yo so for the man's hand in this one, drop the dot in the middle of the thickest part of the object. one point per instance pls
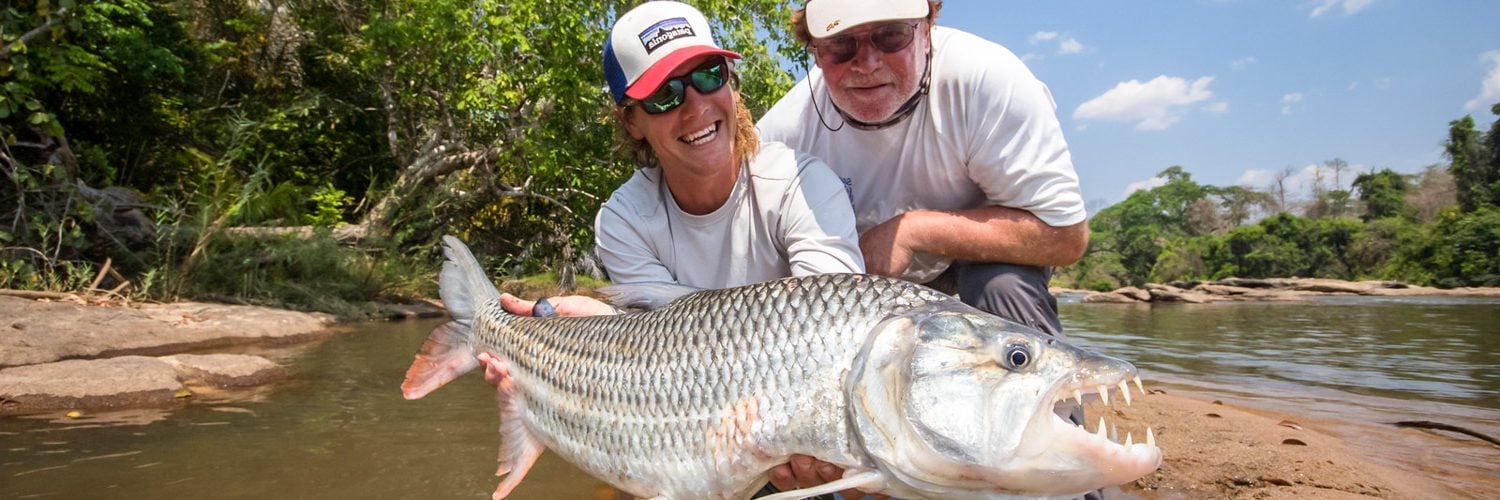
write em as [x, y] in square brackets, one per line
[494, 372]
[885, 252]
[803, 471]
[567, 305]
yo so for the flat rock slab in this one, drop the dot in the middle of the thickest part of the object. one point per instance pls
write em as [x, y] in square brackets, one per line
[34, 332]
[125, 381]
[225, 370]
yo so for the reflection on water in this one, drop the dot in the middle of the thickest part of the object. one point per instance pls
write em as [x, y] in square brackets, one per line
[339, 428]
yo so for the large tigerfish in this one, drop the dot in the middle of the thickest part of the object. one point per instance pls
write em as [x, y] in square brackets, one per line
[915, 393]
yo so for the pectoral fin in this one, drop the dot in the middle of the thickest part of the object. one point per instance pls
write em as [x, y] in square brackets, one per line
[519, 447]
[869, 480]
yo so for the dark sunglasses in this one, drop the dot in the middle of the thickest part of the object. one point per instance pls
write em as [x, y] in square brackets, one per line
[707, 78]
[889, 38]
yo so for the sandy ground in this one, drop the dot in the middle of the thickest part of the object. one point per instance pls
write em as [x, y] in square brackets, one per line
[1217, 450]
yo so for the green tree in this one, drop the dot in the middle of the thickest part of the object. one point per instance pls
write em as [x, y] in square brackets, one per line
[1383, 194]
[1470, 164]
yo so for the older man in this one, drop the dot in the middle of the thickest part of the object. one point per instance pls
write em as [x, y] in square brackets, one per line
[950, 149]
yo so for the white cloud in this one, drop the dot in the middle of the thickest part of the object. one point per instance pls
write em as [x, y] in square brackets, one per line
[1042, 36]
[1065, 45]
[1489, 89]
[1290, 100]
[1148, 184]
[1154, 105]
[1070, 46]
[1350, 7]
[1299, 185]
[1217, 107]
[1242, 63]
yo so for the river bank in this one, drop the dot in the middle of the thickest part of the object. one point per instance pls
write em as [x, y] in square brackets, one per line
[1266, 289]
[1228, 449]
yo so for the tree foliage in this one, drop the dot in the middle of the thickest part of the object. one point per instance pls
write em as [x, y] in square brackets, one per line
[411, 118]
[1407, 228]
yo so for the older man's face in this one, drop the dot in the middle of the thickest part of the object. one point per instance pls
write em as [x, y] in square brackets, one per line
[873, 84]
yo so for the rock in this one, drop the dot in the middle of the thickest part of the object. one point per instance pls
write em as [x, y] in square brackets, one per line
[1165, 293]
[225, 370]
[1135, 293]
[121, 382]
[1245, 283]
[1110, 298]
[416, 309]
[53, 331]
[1329, 286]
[126, 381]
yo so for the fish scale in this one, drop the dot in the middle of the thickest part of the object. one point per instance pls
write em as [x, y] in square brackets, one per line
[917, 394]
[673, 373]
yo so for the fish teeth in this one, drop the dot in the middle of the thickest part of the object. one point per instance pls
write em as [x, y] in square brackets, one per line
[1100, 430]
[1150, 439]
[1139, 386]
[1078, 396]
[1128, 440]
[1125, 391]
[1104, 394]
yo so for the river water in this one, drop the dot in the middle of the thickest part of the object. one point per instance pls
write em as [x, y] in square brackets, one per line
[338, 428]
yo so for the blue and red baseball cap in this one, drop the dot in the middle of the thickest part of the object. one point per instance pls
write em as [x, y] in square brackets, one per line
[650, 41]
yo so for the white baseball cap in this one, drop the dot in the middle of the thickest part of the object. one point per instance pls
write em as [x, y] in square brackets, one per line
[650, 41]
[827, 18]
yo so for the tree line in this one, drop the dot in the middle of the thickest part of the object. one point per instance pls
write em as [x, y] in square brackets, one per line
[152, 133]
[309, 154]
[1438, 227]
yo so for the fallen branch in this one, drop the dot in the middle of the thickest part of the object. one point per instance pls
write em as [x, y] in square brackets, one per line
[1427, 424]
[34, 294]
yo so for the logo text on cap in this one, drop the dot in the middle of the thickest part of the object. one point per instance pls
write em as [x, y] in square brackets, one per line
[665, 31]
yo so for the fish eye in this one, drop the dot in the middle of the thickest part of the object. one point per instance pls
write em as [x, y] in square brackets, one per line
[1017, 356]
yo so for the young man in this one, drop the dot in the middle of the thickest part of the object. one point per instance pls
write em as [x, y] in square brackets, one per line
[952, 152]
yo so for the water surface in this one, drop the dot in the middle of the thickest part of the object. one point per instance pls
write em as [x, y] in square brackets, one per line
[340, 429]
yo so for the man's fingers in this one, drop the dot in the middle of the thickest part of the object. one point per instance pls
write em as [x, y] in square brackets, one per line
[802, 468]
[781, 478]
[514, 305]
[828, 472]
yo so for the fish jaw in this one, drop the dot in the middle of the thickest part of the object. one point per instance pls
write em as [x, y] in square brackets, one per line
[1059, 457]
[941, 414]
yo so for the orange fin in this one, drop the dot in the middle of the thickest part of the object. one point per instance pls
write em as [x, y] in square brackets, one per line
[447, 353]
[519, 447]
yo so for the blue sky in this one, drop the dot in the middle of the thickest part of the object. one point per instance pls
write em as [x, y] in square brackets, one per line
[1236, 90]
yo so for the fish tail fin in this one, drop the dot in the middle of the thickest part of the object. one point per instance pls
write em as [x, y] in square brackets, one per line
[449, 351]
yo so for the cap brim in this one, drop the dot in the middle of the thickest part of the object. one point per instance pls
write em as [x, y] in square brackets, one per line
[826, 19]
[658, 73]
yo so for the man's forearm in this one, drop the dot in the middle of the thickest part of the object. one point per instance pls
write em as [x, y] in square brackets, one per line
[993, 234]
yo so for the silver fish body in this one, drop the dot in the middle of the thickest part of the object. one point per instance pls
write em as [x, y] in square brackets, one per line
[914, 392]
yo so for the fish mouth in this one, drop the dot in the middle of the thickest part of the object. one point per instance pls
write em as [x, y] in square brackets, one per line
[1102, 455]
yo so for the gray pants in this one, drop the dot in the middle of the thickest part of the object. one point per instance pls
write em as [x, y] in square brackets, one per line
[1011, 291]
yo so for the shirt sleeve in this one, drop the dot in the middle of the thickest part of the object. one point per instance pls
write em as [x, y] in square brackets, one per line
[818, 227]
[1017, 153]
[624, 251]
